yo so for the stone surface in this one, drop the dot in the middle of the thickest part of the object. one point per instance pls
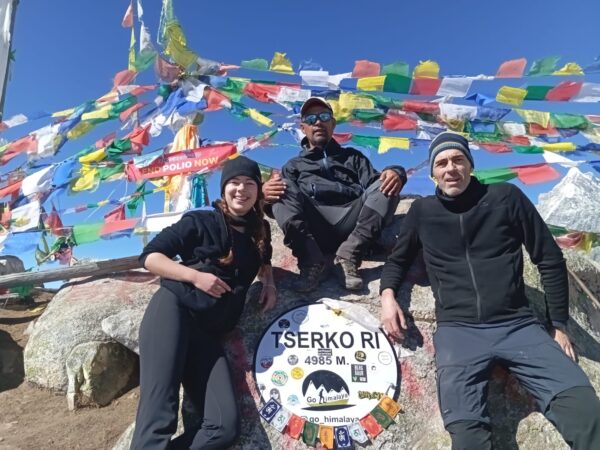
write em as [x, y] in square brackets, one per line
[10, 264]
[74, 317]
[124, 327]
[97, 372]
[515, 422]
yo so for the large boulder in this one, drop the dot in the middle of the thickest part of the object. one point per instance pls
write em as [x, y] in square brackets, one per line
[515, 421]
[11, 264]
[68, 338]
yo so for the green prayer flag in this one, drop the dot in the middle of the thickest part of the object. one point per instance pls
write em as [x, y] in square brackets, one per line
[310, 433]
[529, 149]
[256, 64]
[107, 172]
[164, 90]
[382, 417]
[537, 92]
[368, 115]
[144, 59]
[397, 83]
[120, 106]
[118, 147]
[137, 198]
[366, 141]
[381, 100]
[86, 232]
[396, 68]
[556, 230]
[568, 120]
[234, 89]
[544, 66]
[491, 176]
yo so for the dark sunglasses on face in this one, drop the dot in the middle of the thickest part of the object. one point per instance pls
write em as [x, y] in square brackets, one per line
[311, 119]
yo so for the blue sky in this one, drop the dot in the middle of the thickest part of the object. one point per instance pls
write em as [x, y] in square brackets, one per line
[67, 52]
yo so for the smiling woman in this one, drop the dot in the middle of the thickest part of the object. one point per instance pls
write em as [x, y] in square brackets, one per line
[200, 299]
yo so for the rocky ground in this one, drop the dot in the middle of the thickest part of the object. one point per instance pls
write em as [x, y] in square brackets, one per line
[33, 418]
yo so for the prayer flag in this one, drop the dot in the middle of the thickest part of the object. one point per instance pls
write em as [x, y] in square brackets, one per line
[386, 143]
[357, 433]
[310, 433]
[295, 426]
[425, 86]
[342, 438]
[371, 426]
[511, 95]
[280, 63]
[544, 66]
[255, 64]
[326, 436]
[371, 83]
[382, 417]
[391, 407]
[397, 83]
[455, 86]
[564, 91]
[84, 233]
[364, 68]
[538, 173]
[127, 21]
[512, 69]
[571, 68]
[427, 69]
[396, 68]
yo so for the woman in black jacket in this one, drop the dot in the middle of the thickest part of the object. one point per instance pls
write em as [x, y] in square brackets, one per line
[200, 299]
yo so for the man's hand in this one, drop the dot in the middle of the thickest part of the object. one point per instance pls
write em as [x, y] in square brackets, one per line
[273, 188]
[392, 316]
[565, 343]
[391, 183]
[211, 284]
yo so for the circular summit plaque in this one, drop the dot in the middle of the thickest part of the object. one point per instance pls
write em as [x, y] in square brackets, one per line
[324, 367]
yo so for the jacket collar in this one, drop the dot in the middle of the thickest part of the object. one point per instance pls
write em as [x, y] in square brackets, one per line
[465, 201]
[331, 148]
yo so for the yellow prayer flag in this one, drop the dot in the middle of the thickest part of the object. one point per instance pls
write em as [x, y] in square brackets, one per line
[87, 181]
[95, 156]
[131, 60]
[511, 95]
[427, 69]
[385, 143]
[259, 118]
[571, 68]
[586, 243]
[100, 113]
[349, 102]
[371, 83]
[326, 436]
[560, 147]
[176, 46]
[79, 130]
[63, 113]
[391, 407]
[280, 63]
[532, 116]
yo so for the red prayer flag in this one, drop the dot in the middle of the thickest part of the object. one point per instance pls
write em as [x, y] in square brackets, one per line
[295, 426]
[215, 99]
[519, 140]
[512, 69]
[261, 92]
[398, 122]
[421, 107]
[570, 240]
[115, 215]
[129, 111]
[10, 189]
[166, 71]
[106, 140]
[118, 225]
[536, 130]
[564, 91]
[342, 138]
[124, 77]
[25, 144]
[536, 173]
[365, 68]
[496, 148]
[128, 17]
[371, 426]
[425, 86]
[138, 90]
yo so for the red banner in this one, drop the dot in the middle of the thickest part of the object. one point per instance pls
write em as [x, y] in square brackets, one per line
[201, 159]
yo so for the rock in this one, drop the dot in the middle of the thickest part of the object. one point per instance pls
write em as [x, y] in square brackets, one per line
[98, 372]
[10, 264]
[74, 317]
[124, 327]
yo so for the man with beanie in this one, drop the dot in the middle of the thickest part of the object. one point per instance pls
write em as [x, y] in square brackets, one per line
[471, 236]
[331, 200]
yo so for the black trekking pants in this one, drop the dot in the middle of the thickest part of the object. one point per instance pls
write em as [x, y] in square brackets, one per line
[175, 351]
[312, 230]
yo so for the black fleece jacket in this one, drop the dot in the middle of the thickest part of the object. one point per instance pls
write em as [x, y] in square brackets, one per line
[472, 247]
[200, 238]
[334, 175]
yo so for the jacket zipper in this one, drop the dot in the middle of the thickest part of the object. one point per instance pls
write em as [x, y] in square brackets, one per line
[468, 256]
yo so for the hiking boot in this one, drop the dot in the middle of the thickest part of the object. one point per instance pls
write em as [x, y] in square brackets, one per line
[309, 277]
[349, 274]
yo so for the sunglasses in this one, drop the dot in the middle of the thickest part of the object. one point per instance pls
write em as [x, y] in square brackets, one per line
[311, 119]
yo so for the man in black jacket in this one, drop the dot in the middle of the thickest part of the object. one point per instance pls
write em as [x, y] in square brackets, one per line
[330, 199]
[471, 236]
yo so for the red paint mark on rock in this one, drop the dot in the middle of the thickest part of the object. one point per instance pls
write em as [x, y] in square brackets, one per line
[409, 383]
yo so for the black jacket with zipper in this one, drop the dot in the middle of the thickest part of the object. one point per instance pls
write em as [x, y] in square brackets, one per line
[333, 176]
[472, 247]
[200, 238]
